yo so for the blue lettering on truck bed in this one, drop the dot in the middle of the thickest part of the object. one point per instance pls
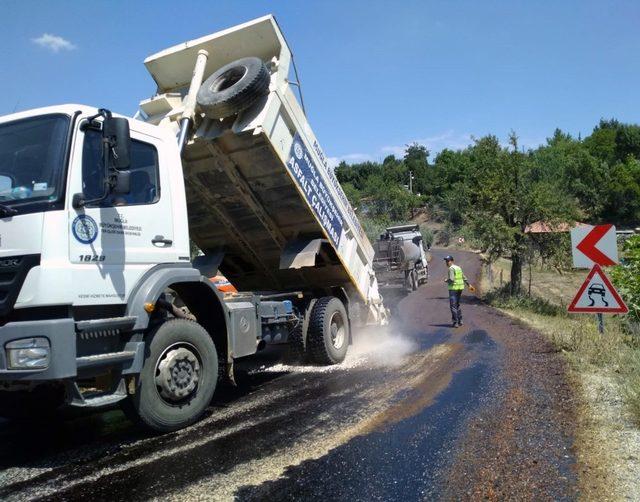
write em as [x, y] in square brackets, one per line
[308, 178]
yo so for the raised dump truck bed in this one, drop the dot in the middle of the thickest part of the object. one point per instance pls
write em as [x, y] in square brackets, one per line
[260, 192]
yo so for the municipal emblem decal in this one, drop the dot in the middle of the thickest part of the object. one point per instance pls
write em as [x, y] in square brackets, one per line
[297, 148]
[84, 229]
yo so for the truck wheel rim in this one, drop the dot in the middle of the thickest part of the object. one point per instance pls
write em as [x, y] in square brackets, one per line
[178, 372]
[338, 330]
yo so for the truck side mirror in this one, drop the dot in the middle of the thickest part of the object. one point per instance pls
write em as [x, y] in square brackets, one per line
[123, 183]
[116, 131]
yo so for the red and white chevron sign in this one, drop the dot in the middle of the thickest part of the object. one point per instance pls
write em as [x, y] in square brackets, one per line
[594, 245]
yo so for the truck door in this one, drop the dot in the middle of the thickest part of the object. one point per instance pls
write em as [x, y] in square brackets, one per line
[113, 242]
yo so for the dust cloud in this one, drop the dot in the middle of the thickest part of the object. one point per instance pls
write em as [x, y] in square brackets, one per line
[372, 347]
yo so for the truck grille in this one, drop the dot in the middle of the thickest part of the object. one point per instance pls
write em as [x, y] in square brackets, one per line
[13, 271]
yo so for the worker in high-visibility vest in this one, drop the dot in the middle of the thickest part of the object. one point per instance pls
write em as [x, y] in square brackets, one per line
[456, 282]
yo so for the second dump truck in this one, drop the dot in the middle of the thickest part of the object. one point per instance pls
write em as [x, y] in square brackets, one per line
[100, 300]
[400, 258]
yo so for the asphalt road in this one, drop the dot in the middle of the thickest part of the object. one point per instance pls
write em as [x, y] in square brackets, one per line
[417, 411]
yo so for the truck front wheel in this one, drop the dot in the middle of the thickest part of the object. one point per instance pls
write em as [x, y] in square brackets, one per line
[328, 335]
[178, 378]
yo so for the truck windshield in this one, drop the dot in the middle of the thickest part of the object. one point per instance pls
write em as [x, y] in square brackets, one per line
[32, 156]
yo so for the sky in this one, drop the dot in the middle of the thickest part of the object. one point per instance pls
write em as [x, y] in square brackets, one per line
[376, 75]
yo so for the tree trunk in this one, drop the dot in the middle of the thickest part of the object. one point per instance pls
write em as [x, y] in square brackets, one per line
[516, 274]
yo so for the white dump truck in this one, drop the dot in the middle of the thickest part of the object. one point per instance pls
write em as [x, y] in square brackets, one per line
[100, 300]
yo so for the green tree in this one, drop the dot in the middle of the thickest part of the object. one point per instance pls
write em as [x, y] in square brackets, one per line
[383, 198]
[581, 174]
[353, 194]
[622, 193]
[507, 193]
[602, 141]
[627, 276]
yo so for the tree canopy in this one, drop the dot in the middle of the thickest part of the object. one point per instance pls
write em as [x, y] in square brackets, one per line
[493, 191]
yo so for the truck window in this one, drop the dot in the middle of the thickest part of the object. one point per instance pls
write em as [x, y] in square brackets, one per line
[32, 161]
[144, 177]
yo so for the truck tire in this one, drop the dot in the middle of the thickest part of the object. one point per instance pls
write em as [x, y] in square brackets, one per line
[234, 88]
[296, 345]
[425, 279]
[178, 377]
[328, 335]
[414, 280]
[408, 280]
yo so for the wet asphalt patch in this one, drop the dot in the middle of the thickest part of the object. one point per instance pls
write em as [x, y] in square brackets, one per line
[401, 462]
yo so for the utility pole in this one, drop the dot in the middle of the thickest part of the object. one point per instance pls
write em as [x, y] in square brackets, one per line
[411, 190]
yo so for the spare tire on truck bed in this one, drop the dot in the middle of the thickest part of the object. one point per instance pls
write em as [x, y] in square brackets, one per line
[234, 88]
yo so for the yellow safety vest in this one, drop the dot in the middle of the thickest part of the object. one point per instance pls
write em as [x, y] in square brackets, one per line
[458, 279]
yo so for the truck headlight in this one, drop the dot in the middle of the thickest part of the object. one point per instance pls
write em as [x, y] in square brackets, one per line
[28, 353]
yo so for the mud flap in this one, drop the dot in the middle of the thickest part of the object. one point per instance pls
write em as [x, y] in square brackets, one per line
[230, 372]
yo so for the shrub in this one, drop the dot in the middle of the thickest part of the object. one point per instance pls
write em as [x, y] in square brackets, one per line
[626, 277]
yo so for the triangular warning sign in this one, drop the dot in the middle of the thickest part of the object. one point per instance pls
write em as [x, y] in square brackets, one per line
[597, 295]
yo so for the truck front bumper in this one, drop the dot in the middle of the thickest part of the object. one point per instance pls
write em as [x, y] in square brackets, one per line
[61, 337]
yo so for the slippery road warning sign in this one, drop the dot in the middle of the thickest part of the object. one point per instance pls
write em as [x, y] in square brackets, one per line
[594, 246]
[598, 296]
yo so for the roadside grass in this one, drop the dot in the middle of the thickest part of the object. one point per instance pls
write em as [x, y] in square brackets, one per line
[557, 287]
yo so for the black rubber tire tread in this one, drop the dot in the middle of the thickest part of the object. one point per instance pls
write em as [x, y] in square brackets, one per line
[237, 97]
[414, 280]
[319, 347]
[152, 411]
[296, 344]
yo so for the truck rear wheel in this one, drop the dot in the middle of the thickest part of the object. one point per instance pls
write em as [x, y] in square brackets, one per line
[296, 345]
[234, 88]
[178, 378]
[328, 335]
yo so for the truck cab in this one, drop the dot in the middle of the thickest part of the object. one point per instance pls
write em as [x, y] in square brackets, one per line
[87, 269]
[94, 254]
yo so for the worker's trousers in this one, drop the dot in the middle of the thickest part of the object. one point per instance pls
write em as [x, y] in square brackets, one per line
[454, 305]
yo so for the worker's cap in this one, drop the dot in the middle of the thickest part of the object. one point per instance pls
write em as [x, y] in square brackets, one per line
[448, 258]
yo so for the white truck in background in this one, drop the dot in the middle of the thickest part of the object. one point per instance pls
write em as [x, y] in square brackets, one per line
[100, 302]
[400, 258]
